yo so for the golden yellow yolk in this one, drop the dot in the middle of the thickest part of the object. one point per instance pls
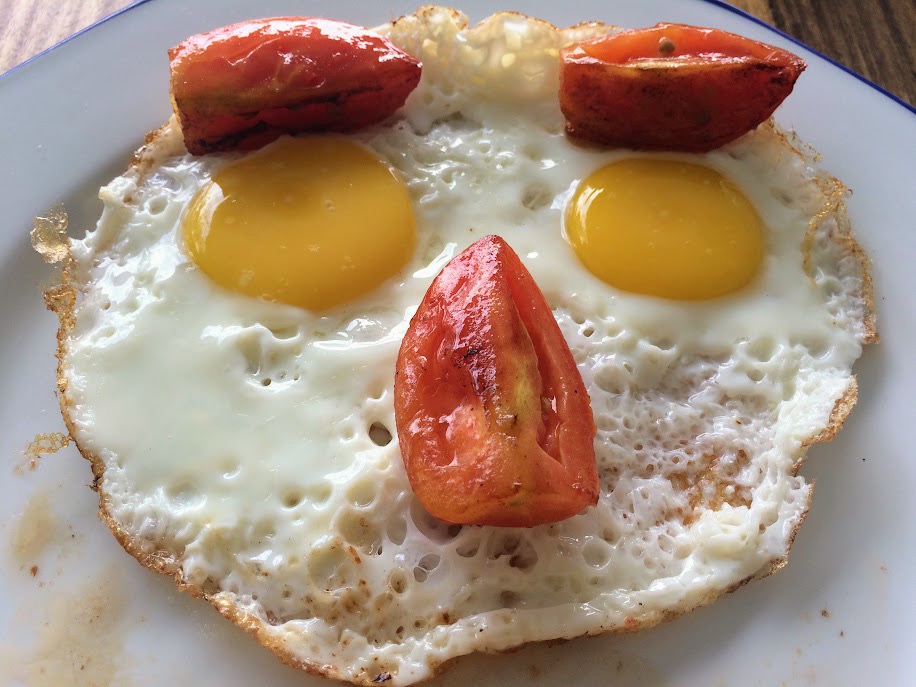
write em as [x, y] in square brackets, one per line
[665, 228]
[312, 222]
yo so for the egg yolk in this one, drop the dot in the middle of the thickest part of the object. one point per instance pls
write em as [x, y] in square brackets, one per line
[313, 222]
[665, 228]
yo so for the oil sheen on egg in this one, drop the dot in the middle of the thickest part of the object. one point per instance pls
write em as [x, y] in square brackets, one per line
[232, 372]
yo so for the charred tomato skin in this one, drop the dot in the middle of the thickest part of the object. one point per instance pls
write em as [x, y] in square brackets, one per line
[672, 87]
[493, 419]
[241, 86]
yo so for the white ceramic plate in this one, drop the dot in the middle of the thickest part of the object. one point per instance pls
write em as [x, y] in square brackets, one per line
[842, 612]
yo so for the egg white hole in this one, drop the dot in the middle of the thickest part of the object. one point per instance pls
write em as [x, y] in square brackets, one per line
[264, 532]
[359, 532]
[380, 434]
[318, 494]
[231, 468]
[509, 598]
[525, 556]
[292, 497]
[502, 544]
[156, 206]
[536, 197]
[785, 197]
[762, 349]
[362, 492]
[397, 581]
[469, 546]
[397, 530]
[430, 527]
[427, 564]
[325, 563]
[612, 379]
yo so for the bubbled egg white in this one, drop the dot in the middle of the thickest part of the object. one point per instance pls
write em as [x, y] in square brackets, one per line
[246, 445]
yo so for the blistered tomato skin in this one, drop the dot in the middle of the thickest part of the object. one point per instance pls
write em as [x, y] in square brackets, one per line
[672, 87]
[241, 86]
[494, 422]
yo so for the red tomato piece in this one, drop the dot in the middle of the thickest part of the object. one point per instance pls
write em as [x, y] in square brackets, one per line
[493, 419]
[241, 86]
[672, 87]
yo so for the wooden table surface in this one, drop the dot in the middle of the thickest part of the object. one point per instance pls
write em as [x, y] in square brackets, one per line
[875, 39]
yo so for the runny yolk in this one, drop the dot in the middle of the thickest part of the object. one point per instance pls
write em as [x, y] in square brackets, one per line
[665, 228]
[312, 222]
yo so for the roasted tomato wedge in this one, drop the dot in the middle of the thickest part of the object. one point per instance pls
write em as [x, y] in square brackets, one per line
[493, 418]
[241, 86]
[672, 87]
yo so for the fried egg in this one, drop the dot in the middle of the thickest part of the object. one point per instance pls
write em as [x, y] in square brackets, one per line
[230, 379]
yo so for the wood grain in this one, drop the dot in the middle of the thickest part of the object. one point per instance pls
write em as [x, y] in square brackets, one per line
[876, 39]
[29, 26]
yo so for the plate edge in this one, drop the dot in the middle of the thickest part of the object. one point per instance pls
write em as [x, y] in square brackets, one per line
[114, 14]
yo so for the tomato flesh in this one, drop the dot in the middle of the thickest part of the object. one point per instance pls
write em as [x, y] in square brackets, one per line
[241, 86]
[672, 87]
[494, 422]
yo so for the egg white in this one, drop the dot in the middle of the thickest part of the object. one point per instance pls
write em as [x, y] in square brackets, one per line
[235, 437]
